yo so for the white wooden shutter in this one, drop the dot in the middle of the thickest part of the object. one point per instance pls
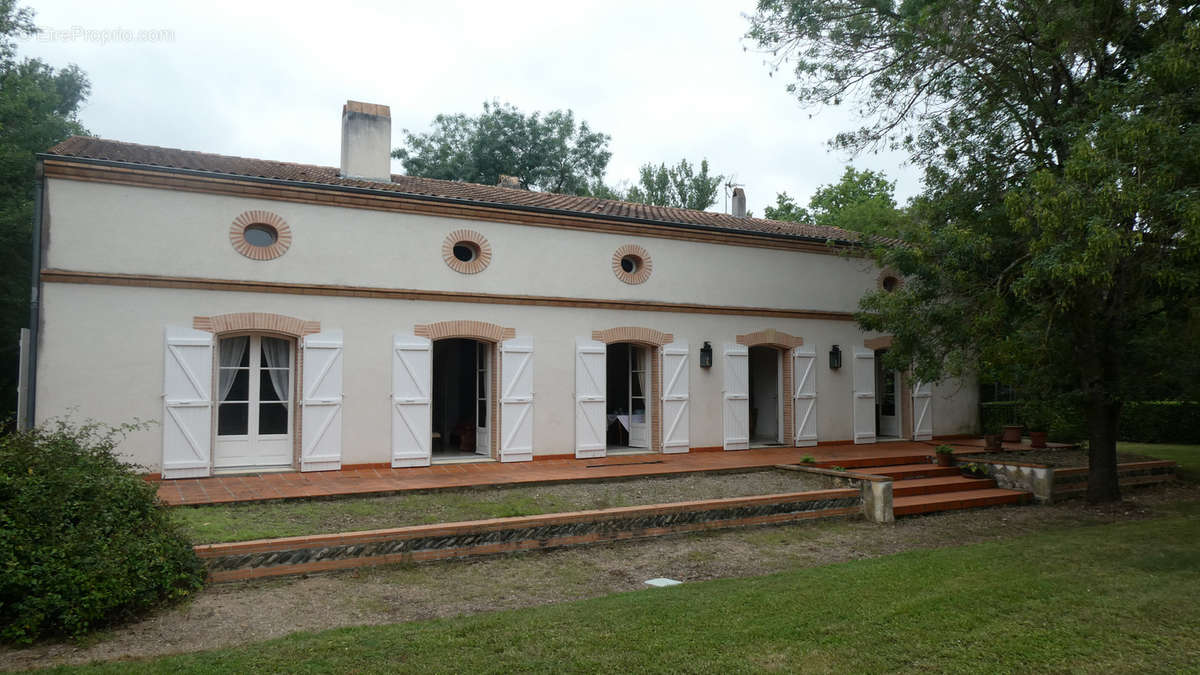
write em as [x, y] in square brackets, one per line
[864, 395]
[321, 424]
[187, 403]
[675, 407]
[516, 401]
[804, 396]
[412, 400]
[736, 396]
[922, 400]
[590, 417]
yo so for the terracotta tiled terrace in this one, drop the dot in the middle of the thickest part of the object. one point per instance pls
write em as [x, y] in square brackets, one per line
[903, 458]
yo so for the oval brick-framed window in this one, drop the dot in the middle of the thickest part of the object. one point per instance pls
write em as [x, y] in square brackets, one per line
[632, 264]
[260, 235]
[466, 251]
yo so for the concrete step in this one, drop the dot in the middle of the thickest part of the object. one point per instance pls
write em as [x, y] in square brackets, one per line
[925, 486]
[912, 471]
[953, 501]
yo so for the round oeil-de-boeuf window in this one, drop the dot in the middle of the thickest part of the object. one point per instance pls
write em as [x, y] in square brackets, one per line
[260, 235]
[631, 263]
[466, 251]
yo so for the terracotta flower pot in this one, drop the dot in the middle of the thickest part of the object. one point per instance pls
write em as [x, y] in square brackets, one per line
[1037, 439]
[991, 441]
[1012, 433]
[945, 459]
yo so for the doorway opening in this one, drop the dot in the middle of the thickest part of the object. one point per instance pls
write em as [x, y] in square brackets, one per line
[627, 398]
[887, 400]
[766, 397]
[462, 396]
[254, 403]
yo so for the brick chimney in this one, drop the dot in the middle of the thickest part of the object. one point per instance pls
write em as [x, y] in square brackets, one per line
[367, 141]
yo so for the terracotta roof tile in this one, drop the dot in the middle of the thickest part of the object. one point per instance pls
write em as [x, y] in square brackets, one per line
[148, 155]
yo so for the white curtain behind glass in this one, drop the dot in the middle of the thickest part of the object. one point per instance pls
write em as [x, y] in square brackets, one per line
[276, 352]
[232, 352]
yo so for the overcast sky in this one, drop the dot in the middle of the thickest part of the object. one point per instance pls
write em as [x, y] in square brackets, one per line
[267, 79]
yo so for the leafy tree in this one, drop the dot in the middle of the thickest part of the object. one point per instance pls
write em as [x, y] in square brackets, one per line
[1057, 239]
[862, 201]
[786, 208]
[549, 152]
[680, 186]
[38, 108]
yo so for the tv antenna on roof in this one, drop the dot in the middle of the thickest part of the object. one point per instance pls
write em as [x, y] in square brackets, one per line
[729, 185]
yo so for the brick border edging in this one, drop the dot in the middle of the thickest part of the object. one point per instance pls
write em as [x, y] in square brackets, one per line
[878, 504]
[1047, 483]
[296, 555]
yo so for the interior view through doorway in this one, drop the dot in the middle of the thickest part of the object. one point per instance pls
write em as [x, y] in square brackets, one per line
[254, 403]
[627, 398]
[461, 400]
[766, 399]
[887, 400]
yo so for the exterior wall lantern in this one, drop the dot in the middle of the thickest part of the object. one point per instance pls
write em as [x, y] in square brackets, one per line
[706, 356]
[835, 358]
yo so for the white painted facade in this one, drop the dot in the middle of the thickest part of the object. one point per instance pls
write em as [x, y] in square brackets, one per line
[101, 347]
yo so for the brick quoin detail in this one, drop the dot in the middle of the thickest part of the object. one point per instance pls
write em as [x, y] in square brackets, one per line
[256, 321]
[647, 336]
[644, 264]
[476, 330]
[237, 235]
[472, 238]
[783, 342]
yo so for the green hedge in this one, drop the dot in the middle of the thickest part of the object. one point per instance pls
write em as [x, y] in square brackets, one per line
[1141, 421]
[84, 541]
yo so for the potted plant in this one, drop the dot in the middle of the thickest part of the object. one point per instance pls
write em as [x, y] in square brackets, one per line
[991, 441]
[973, 470]
[1037, 417]
[1011, 433]
[945, 455]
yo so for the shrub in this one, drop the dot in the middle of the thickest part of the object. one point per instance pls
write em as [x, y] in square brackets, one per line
[808, 459]
[84, 541]
[1141, 421]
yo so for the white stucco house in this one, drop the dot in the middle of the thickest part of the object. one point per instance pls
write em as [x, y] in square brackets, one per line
[276, 316]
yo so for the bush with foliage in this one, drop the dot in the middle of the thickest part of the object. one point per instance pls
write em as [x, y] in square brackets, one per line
[84, 541]
[1140, 421]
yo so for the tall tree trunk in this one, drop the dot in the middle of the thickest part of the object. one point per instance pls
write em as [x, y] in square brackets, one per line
[1102, 417]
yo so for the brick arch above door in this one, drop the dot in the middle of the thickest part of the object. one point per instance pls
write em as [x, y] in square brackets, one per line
[633, 334]
[256, 321]
[770, 337]
[476, 330]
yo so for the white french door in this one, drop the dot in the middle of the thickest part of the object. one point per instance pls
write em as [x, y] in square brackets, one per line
[639, 410]
[483, 397]
[254, 409]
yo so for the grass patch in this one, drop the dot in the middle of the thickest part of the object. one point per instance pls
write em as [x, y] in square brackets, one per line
[241, 522]
[1105, 598]
[1187, 456]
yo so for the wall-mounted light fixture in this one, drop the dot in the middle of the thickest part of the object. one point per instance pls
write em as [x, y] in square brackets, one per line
[706, 356]
[835, 358]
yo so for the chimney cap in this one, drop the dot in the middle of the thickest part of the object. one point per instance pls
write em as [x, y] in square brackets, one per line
[367, 109]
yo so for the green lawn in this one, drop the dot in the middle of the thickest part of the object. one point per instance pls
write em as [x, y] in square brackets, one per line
[1104, 598]
[1187, 456]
